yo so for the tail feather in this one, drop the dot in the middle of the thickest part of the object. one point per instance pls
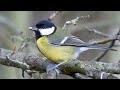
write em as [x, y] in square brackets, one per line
[100, 48]
[85, 48]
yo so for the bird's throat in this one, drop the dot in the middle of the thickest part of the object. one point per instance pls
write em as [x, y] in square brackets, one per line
[37, 35]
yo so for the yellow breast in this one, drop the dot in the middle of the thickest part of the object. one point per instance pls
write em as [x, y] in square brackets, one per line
[55, 53]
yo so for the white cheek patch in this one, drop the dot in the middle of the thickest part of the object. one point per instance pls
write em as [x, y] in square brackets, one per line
[47, 31]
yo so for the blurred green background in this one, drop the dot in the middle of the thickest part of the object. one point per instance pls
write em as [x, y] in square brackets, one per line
[14, 29]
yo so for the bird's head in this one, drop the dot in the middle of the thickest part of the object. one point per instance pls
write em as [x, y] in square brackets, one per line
[44, 28]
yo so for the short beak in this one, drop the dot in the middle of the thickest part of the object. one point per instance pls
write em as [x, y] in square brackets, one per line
[33, 29]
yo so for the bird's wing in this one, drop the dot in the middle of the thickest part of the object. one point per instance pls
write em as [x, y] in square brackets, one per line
[74, 41]
[71, 41]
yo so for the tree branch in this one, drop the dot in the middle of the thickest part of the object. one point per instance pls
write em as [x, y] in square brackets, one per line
[91, 68]
[32, 62]
[81, 76]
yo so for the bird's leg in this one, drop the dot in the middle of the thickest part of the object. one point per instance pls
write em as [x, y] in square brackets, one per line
[54, 67]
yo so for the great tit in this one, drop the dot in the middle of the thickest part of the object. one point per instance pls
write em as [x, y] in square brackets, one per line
[69, 48]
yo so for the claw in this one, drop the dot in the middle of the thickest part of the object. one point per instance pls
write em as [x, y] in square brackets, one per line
[50, 67]
[54, 67]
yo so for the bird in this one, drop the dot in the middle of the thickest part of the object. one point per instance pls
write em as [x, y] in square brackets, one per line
[67, 49]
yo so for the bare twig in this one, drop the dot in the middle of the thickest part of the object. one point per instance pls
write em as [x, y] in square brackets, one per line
[97, 32]
[105, 52]
[74, 21]
[106, 40]
[24, 43]
[54, 15]
[110, 46]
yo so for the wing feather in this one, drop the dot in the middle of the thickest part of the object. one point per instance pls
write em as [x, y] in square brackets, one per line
[72, 41]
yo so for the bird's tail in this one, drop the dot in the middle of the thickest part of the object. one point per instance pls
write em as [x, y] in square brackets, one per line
[100, 48]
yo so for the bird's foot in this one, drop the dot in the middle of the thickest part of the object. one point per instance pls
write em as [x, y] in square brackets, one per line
[54, 67]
